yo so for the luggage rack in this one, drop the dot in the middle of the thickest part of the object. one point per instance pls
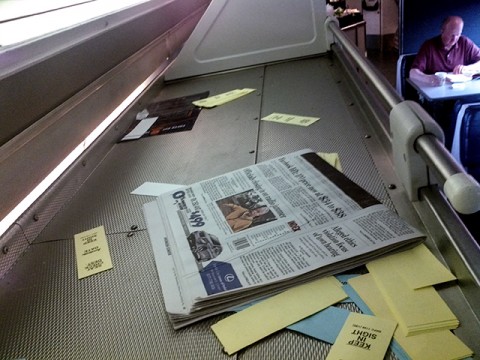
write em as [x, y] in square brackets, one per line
[49, 314]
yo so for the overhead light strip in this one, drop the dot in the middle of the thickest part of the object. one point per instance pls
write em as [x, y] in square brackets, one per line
[33, 196]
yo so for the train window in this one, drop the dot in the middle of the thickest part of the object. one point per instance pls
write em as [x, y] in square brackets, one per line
[37, 35]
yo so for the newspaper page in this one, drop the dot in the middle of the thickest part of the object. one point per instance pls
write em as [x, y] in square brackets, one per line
[263, 228]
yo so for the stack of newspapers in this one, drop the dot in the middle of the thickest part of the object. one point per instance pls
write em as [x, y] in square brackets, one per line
[256, 231]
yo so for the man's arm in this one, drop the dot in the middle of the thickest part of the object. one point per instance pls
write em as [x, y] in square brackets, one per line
[417, 75]
[472, 62]
[467, 69]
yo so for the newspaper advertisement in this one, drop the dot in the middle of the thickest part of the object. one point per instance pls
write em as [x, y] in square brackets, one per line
[261, 225]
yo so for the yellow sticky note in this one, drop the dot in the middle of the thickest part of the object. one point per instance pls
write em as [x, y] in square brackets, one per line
[415, 310]
[441, 344]
[332, 159]
[223, 98]
[92, 252]
[363, 337]
[277, 312]
[291, 119]
[418, 267]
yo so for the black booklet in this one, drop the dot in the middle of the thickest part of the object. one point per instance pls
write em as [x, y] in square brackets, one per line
[165, 117]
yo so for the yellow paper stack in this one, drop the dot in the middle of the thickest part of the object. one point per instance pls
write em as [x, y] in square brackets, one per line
[399, 287]
[416, 310]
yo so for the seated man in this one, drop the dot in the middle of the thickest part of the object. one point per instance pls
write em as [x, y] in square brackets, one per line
[449, 52]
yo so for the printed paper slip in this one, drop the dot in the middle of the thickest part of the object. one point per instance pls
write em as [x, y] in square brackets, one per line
[363, 337]
[441, 344]
[275, 313]
[400, 353]
[223, 98]
[418, 267]
[92, 252]
[291, 119]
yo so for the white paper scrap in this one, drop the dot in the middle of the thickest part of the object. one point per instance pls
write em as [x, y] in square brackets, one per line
[140, 129]
[154, 189]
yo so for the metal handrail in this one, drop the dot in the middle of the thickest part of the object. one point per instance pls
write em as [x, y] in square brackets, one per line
[389, 94]
[416, 136]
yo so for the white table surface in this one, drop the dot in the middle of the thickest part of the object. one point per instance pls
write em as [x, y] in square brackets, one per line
[447, 91]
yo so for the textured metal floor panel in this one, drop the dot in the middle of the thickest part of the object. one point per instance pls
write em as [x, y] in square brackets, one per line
[310, 88]
[117, 314]
[223, 139]
[46, 313]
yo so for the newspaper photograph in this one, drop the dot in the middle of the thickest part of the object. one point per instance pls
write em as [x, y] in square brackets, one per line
[264, 228]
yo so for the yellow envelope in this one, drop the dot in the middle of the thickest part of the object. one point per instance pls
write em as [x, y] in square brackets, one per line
[277, 312]
[418, 267]
[331, 158]
[441, 344]
[415, 310]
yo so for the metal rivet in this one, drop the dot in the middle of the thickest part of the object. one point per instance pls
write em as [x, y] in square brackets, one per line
[392, 186]
[84, 162]
[134, 227]
[367, 136]
[251, 152]
[5, 250]
[36, 217]
[130, 234]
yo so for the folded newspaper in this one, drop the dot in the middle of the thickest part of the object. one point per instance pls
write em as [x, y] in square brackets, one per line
[262, 229]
